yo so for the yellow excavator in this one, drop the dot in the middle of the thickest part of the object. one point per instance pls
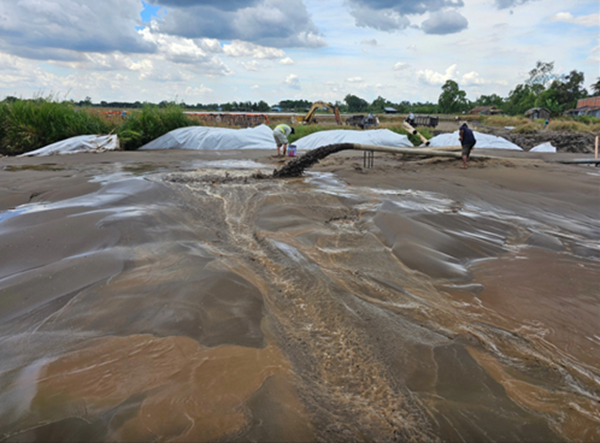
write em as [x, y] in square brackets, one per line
[310, 116]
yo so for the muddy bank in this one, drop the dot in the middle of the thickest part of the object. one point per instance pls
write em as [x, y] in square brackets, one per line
[571, 142]
[188, 297]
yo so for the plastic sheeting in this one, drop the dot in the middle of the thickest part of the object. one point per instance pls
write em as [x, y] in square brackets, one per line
[486, 141]
[207, 138]
[75, 145]
[379, 137]
[544, 147]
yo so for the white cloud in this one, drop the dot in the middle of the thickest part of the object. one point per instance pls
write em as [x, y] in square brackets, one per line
[392, 15]
[401, 66]
[444, 22]
[433, 78]
[595, 54]
[286, 61]
[386, 20]
[354, 80]
[255, 87]
[239, 48]
[412, 47]
[251, 65]
[583, 20]
[505, 4]
[200, 90]
[292, 81]
[270, 23]
[185, 51]
[474, 79]
[369, 42]
[61, 29]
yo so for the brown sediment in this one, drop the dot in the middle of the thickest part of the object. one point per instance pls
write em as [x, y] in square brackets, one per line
[573, 416]
[408, 302]
[189, 393]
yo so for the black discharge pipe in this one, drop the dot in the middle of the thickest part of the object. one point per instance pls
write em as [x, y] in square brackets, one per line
[296, 167]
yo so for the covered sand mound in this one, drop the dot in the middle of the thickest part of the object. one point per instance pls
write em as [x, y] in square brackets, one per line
[75, 145]
[483, 141]
[379, 137]
[204, 138]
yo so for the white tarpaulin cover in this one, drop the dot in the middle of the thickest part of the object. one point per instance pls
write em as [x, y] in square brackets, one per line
[379, 137]
[207, 138]
[483, 141]
[544, 147]
[75, 145]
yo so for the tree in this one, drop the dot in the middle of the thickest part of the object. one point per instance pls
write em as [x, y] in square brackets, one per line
[452, 99]
[262, 106]
[596, 87]
[520, 100]
[540, 76]
[356, 104]
[490, 100]
[379, 104]
[549, 100]
[569, 89]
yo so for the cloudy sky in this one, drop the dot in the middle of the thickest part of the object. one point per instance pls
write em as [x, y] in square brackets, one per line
[205, 51]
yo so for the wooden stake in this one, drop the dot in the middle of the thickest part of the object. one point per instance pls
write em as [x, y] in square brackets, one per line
[596, 149]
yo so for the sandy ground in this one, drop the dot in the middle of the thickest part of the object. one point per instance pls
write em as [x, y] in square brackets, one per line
[181, 296]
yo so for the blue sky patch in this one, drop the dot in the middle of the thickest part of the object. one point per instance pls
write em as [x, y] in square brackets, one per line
[150, 12]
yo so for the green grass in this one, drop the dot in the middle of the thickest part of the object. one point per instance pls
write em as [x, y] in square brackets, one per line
[27, 125]
[528, 128]
[568, 125]
[150, 123]
[588, 120]
[498, 120]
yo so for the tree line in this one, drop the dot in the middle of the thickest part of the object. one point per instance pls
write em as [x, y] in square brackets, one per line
[543, 88]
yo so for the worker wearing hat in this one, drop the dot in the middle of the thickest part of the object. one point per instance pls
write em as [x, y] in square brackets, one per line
[281, 134]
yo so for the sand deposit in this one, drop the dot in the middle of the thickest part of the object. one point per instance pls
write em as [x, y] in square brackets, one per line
[191, 296]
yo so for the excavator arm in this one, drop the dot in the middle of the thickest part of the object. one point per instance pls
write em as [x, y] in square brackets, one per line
[310, 116]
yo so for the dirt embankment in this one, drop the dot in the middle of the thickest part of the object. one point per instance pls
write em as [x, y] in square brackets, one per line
[573, 142]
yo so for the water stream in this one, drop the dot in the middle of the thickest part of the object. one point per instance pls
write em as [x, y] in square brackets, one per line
[217, 304]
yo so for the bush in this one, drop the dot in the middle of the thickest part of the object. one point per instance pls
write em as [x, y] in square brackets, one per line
[498, 120]
[27, 125]
[568, 125]
[527, 128]
[587, 119]
[149, 124]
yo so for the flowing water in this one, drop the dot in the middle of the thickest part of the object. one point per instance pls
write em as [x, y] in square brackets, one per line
[220, 305]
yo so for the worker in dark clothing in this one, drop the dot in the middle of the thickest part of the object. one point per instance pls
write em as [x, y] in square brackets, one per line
[467, 140]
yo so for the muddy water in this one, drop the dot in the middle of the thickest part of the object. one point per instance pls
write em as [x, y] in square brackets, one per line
[215, 305]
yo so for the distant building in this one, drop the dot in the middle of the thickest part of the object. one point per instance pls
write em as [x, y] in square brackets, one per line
[390, 111]
[586, 106]
[538, 113]
[275, 109]
[485, 110]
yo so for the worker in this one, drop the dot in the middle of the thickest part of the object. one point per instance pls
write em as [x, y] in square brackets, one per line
[281, 134]
[467, 140]
[411, 119]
